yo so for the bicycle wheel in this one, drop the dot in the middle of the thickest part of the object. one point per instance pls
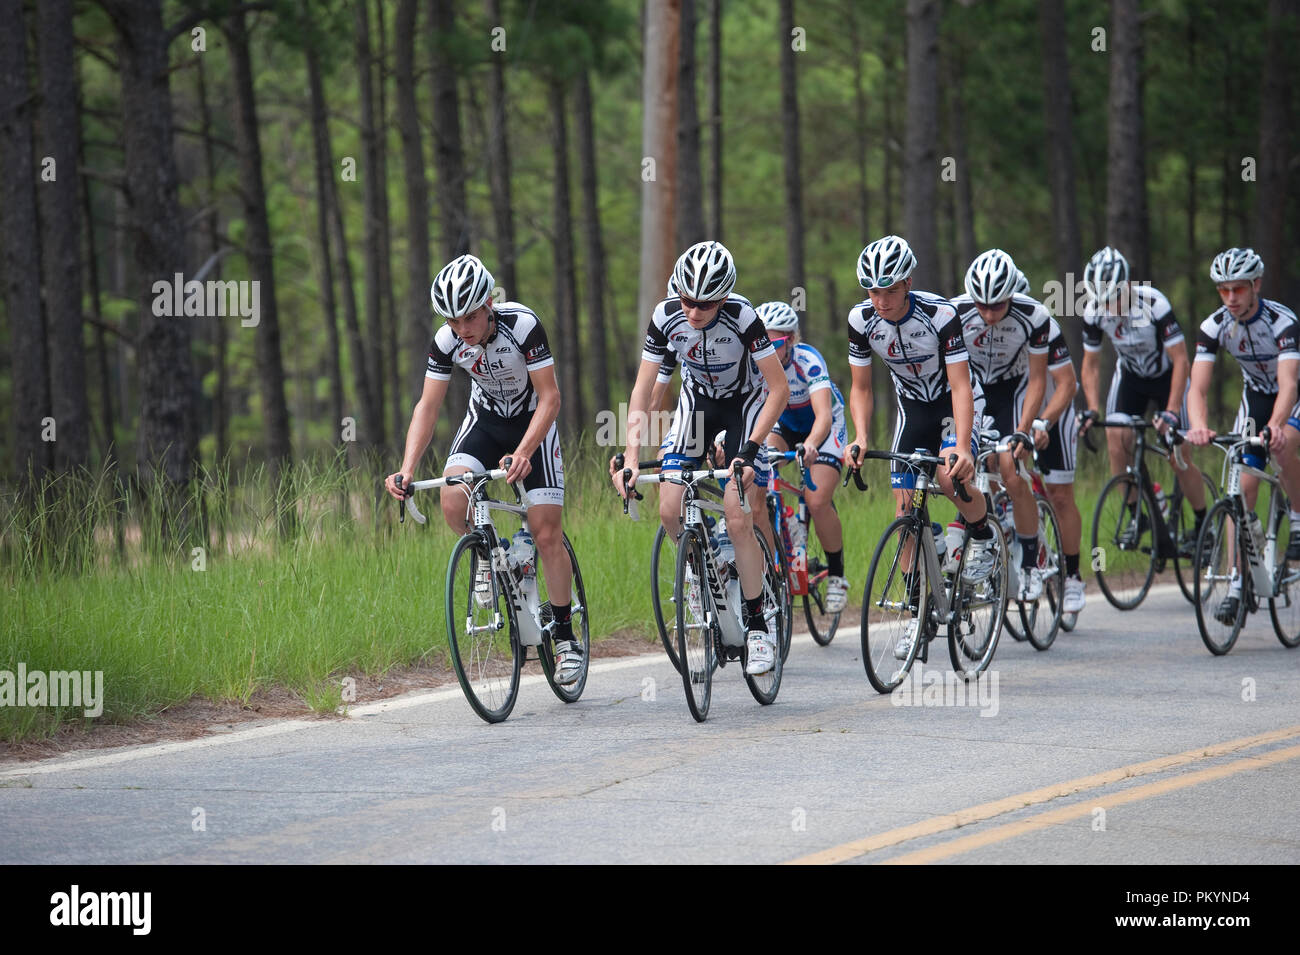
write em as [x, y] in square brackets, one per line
[663, 575]
[1042, 618]
[487, 660]
[1216, 548]
[1000, 508]
[581, 633]
[782, 564]
[765, 686]
[1181, 521]
[1123, 542]
[696, 616]
[1284, 609]
[895, 601]
[821, 623]
[979, 608]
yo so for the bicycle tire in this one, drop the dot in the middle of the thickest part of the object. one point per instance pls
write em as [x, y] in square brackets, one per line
[581, 629]
[1119, 574]
[822, 624]
[661, 597]
[766, 686]
[1014, 622]
[781, 561]
[695, 638]
[971, 652]
[1212, 568]
[1284, 609]
[490, 681]
[1182, 523]
[1041, 632]
[884, 671]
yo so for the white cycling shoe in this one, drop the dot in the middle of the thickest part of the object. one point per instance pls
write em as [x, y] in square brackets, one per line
[837, 594]
[1031, 584]
[979, 561]
[761, 655]
[568, 662]
[1074, 599]
[904, 645]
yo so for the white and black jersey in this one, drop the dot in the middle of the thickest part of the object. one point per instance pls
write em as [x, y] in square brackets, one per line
[1140, 336]
[917, 349]
[718, 361]
[1270, 335]
[499, 367]
[1000, 352]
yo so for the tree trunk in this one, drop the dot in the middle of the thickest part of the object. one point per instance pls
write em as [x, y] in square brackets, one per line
[887, 152]
[109, 450]
[498, 163]
[659, 147]
[963, 248]
[715, 119]
[21, 258]
[324, 170]
[790, 152]
[220, 418]
[1191, 153]
[1275, 129]
[270, 370]
[597, 350]
[920, 159]
[690, 190]
[61, 228]
[1126, 189]
[417, 330]
[566, 315]
[371, 184]
[388, 348]
[860, 123]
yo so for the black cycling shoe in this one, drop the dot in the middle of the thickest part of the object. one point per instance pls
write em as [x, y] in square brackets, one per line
[1227, 610]
[1132, 533]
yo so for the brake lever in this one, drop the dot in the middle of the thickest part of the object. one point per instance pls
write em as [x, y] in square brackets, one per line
[737, 470]
[807, 474]
[401, 501]
[957, 485]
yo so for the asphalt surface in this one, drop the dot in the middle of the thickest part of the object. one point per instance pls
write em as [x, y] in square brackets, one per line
[1125, 742]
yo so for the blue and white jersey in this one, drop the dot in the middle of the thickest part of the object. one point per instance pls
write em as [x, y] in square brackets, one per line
[807, 373]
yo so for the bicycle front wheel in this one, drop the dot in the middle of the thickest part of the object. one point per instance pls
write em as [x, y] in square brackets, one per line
[1014, 621]
[1182, 520]
[481, 630]
[765, 686]
[1218, 553]
[1042, 618]
[979, 607]
[1285, 607]
[1124, 548]
[663, 575]
[569, 693]
[696, 618]
[895, 605]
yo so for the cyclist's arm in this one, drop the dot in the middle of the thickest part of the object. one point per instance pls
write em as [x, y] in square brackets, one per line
[423, 420]
[860, 402]
[822, 409]
[1287, 387]
[1063, 396]
[778, 396]
[1178, 380]
[963, 404]
[1034, 392]
[637, 407]
[544, 415]
[1197, 409]
[1091, 375]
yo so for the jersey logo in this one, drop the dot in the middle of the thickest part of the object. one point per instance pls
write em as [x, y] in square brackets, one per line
[814, 369]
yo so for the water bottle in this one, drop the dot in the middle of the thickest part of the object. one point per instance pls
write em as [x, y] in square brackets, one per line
[1162, 501]
[1254, 537]
[940, 540]
[953, 542]
[523, 558]
[726, 550]
[798, 533]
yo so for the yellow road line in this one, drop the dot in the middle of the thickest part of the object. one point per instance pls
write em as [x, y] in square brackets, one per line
[988, 810]
[1053, 817]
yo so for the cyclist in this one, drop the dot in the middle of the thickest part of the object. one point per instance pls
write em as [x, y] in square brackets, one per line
[1056, 454]
[1007, 337]
[513, 404]
[715, 333]
[1151, 366]
[815, 419]
[1264, 337]
[919, 338]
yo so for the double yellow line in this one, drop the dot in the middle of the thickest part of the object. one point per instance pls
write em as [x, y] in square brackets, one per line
[990, 810]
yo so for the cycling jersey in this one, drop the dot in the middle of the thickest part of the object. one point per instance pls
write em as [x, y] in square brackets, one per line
[1141, 336]
[806, 374]
[1000, 352]
[1259, 343]
[916, 349]
[499, 367]
[719, 360]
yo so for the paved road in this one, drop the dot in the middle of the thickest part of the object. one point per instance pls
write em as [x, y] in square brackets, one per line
[1126, 742]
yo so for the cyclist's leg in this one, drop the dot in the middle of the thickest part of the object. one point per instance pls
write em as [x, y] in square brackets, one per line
[1288, 462]
[749, 558]
[475, 445]
[545, 500]
[681, 450]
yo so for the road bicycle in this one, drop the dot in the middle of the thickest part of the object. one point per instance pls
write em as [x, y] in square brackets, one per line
[496, 607]
[911, 590]
[799, 552]
[1233, 541]
[706, 593]
[1138, 529]
[1034, 620]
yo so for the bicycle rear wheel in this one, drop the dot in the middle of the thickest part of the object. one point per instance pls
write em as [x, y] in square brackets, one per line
[487, 660]
[663, 575]
[1181, 521]
[1042, 618]
[696, 618]
[1217, 550]
[895, 600]
[1123, 542]
[781, 562]
[979, 607]
[1013, 621]
[765, 686]
[1284, 609]
[581, 632]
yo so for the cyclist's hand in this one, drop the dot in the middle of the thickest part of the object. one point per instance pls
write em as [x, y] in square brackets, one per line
[390, 485]
[1086, 419]
[520, 466]
[1040, 439]
[1021, 449]
[1165, 420]
[964, 468]
[1276, 438]
[1199, 436]
[855, 462]
[809, 456]
[616, 472]
[746, 475]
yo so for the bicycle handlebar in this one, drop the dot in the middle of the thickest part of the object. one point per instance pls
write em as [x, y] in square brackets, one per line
[796, 455]
[915, 457]
[468, 477]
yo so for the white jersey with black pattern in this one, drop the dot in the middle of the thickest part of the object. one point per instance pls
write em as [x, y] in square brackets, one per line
[1140, 335]
[719, 360]
[1000, 352]
[1259, 343]
[499, 368]
[917, 349]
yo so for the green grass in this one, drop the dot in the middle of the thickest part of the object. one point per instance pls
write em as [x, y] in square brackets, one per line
[344, 590]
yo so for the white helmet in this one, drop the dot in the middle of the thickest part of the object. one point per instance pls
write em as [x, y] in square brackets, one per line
[1022, 283]
[885, 262]
[778, 317]
[462, 286]
[1104, 274]
[672, 286]
[1236, 265]
[705, 272]
[991, 277]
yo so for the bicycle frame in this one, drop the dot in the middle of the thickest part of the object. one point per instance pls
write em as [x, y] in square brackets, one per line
[800, 583]
[1163, 533]
[1263, 566]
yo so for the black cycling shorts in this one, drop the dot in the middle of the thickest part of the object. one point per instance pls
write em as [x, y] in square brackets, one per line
[485, 438]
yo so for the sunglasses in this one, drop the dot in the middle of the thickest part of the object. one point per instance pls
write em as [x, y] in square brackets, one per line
[691, 303]
[778, 342]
